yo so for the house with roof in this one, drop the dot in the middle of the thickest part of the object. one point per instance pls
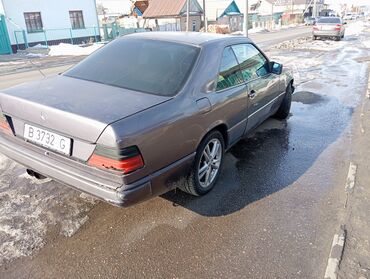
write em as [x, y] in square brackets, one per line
[225, 12]
[139, 7]
[170, 15]
[267, 7]
[28, 23]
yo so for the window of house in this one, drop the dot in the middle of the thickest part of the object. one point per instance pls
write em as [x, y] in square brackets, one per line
[229, 74]
[33, 22]
[252, 62]
[77, 19]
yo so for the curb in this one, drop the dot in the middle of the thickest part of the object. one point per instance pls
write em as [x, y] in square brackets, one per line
[336, 253]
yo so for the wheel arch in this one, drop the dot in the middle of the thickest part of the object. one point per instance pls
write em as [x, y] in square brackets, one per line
[218, 126]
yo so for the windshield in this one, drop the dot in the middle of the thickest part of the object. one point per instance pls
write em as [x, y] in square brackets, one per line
[150, 66]
[329, 20]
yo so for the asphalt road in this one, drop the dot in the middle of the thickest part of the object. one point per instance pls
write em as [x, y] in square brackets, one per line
[272, 215]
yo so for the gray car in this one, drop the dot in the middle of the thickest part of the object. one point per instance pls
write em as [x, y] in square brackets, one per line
[328, 27]
[144, 114]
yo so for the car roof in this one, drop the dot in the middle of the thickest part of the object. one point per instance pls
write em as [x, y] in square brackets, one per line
[193, 38]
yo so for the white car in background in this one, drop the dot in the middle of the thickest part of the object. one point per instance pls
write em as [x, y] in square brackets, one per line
[349, 17]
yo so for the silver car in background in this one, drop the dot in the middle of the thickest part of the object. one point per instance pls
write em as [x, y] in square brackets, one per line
[329, 27]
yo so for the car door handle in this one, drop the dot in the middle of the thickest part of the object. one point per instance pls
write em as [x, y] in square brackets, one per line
[252, 94]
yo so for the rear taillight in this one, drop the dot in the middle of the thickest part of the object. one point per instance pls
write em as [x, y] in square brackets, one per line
[4, 125]
[126, 160]
[315, 27]
[338, 26]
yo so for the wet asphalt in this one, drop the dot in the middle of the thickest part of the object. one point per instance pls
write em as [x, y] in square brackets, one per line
[272, 214]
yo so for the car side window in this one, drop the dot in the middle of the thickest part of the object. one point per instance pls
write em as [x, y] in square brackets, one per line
[253, 63]
[229, 74]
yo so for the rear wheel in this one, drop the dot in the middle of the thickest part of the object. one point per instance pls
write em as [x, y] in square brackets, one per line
[206, 166]
[338, 38]
[284, 109]
[314, 38]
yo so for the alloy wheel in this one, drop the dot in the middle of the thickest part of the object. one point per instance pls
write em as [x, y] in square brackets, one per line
[209, 163]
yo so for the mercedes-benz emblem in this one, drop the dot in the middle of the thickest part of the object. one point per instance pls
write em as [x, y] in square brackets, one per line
[43, 116]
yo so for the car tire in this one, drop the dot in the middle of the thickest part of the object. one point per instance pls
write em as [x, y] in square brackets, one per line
[202, 169]
[314, 38]
[284, 109]
[338, 38]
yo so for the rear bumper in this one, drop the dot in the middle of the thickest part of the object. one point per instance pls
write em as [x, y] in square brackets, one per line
[329, 33]
[119, 195]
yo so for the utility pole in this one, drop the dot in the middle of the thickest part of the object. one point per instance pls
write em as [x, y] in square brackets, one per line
[246, 16]
[314, 9]
[272, 15]
[292, 7]
[187, 14]
[205, 17]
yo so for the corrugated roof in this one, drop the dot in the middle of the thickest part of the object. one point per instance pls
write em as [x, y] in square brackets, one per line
[164, 8]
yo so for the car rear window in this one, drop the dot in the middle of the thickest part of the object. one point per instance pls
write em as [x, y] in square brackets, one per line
[145, 65]
[329, 20]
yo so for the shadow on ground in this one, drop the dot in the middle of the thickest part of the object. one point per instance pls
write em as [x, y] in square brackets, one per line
[274, 157]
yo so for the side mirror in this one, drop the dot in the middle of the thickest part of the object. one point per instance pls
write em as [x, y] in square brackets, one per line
[345, 23]
[276, 68]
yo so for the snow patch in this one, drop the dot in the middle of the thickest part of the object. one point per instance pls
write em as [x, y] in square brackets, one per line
[355, 28]
[29, 208]
[73, 50]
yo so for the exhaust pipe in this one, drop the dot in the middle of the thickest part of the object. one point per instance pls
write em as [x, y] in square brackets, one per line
[30, 172]
[35, 174]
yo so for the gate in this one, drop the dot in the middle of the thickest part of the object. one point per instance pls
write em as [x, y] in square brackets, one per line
[5, 47]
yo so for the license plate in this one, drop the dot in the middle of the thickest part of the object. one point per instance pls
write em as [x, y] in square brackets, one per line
[327, 28]
[47, 139]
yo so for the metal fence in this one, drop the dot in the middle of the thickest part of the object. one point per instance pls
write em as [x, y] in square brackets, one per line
[48, 37]
[113, 30]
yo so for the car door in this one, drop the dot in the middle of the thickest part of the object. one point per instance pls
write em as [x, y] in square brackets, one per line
[263, 86]
[229, 101]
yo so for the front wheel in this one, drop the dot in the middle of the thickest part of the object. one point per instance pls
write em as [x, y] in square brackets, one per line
[284, 109]
[206, 166]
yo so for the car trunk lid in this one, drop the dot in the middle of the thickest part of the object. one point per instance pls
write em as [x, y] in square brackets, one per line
[74, 107]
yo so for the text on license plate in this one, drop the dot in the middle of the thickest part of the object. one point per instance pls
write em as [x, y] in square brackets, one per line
[47, 139]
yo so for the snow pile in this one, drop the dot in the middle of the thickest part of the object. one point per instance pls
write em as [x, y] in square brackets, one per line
[256, 30]
[366, 43]
[355, 28]
[36, 55]
[38, 46]
[322, 45]
[74, 50]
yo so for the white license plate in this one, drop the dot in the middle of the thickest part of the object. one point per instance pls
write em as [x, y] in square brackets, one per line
[327, 28]
[47, 139]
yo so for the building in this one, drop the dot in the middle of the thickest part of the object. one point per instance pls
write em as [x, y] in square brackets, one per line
[225, 13]
[139, 7]
[170, 15]
[47, 22]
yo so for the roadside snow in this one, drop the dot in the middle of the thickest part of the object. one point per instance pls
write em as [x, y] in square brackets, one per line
[366, 43]
[74, 50]
[355, 28]
[30, 207]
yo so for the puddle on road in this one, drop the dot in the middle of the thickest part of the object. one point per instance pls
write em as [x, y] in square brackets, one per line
[280, 152]
[308, 98]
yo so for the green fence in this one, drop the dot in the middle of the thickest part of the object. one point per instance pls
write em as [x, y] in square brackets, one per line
[113, 30]
[47, 37]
